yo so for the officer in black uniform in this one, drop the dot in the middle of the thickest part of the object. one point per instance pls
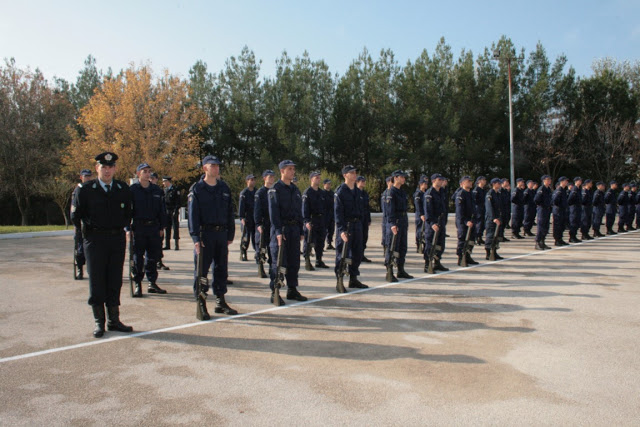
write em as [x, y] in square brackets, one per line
[575, 210]
[633, 202]
[313, 215]
[560, 205]
[517, 208]
[493, 215]
[383, 206]
[85, 175]
[245, 213]
[350, 217]
[330, 221]
[361, 183]
[172, 202]
[505, 209]
[623, 205]
[479, 195]
[418, 200]
[598, 208]
[397, 223]
[435, 211]
[611, 203]
[543, 200]
[587, 209]
[465, 211]
[529, 208]
[261, 215]
[102, 208]
[285, 211]
[212, 229]
[149, 220]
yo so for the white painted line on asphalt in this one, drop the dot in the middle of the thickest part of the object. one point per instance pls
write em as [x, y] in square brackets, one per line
[298, 304]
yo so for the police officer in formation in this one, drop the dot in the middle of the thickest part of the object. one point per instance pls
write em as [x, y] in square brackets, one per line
[147, 229]
[435, 210]
[543, 201]
[261, 218]
[397, 224]
[529, 207]
[493, 216]
[245, 213]
[172, 203]
[505, 209]
[418, 199]
[587, 209]
[479, 195]
[102, 209]
[574, 200]
[623, 209]
[313, 215]
[212, 229]
[85, 176]
[465, 211]
[611, 207]
[330, 221]
[560, 206]
[350, 217]
[361, 183]
[598, 208]
[285, 211]
[517, 208]
[636, 201]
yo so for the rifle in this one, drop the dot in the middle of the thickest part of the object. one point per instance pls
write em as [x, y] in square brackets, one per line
[201, 282]
[421, 239]
[433, 253]
[466, 250]
[262, 255]
[494, 245]
[280, 274]
[131, 272]
[343, 267]
[244, 242]
[307, 249]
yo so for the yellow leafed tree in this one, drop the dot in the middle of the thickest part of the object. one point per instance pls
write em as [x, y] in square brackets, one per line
[141, 120]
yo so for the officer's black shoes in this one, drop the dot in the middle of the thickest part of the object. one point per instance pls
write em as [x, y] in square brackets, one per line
[488, 254]
[480, 241]
[321, 264]
[439, 267]
[403, 274]
[114, 323]
[544, 245]
[528, 233]
[161, 266]
[517, 236]
[557, 243]
[598, 234]
[355, 283]
[471, 261]
[631, 228]
[166, 248]
[293, 294]
[223, 307]
[574, 240]
[446, 235]
[307, 265]
[540, 246]
[243, 255]
[98, 316]
[228, 282]
[155, 289]
[365, 259]
[177, 248]
[390, 277]
[137, 292]
[611, 233]
[563, 243]
[504, 239]
[330, 247]
[280, 300]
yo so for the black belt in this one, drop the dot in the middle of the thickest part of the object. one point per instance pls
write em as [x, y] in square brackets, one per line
[106, 231]
[145, 222]
[291, 222]
[211, 227]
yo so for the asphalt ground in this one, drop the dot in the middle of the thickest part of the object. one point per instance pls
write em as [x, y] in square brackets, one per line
[539, 338]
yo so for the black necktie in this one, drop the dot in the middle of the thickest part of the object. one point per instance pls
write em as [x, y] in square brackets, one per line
[108, 187]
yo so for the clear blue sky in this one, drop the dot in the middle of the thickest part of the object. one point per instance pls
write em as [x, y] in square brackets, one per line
[56, 36]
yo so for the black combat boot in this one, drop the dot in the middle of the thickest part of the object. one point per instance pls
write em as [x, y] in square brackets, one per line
[280, 300]
[471, 261]
[365, 259]
[320, 263]
[403, 274]
[137, 293]
[557, 243]
[307, 264]
[330, 247]
[114, 323]
[460, 260]
[540, 246]
[161, 266]
[480, 241]
[223, 307]
[390, 277]
[438, 266]
[529, 233]
[98, 316]
[155, 289]
[293, 294]
[177, 248]
[544, 245]
[355, 283]
[516, 236]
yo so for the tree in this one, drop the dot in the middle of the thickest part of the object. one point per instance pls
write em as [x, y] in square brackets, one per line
[33, 122]
[141, 121]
